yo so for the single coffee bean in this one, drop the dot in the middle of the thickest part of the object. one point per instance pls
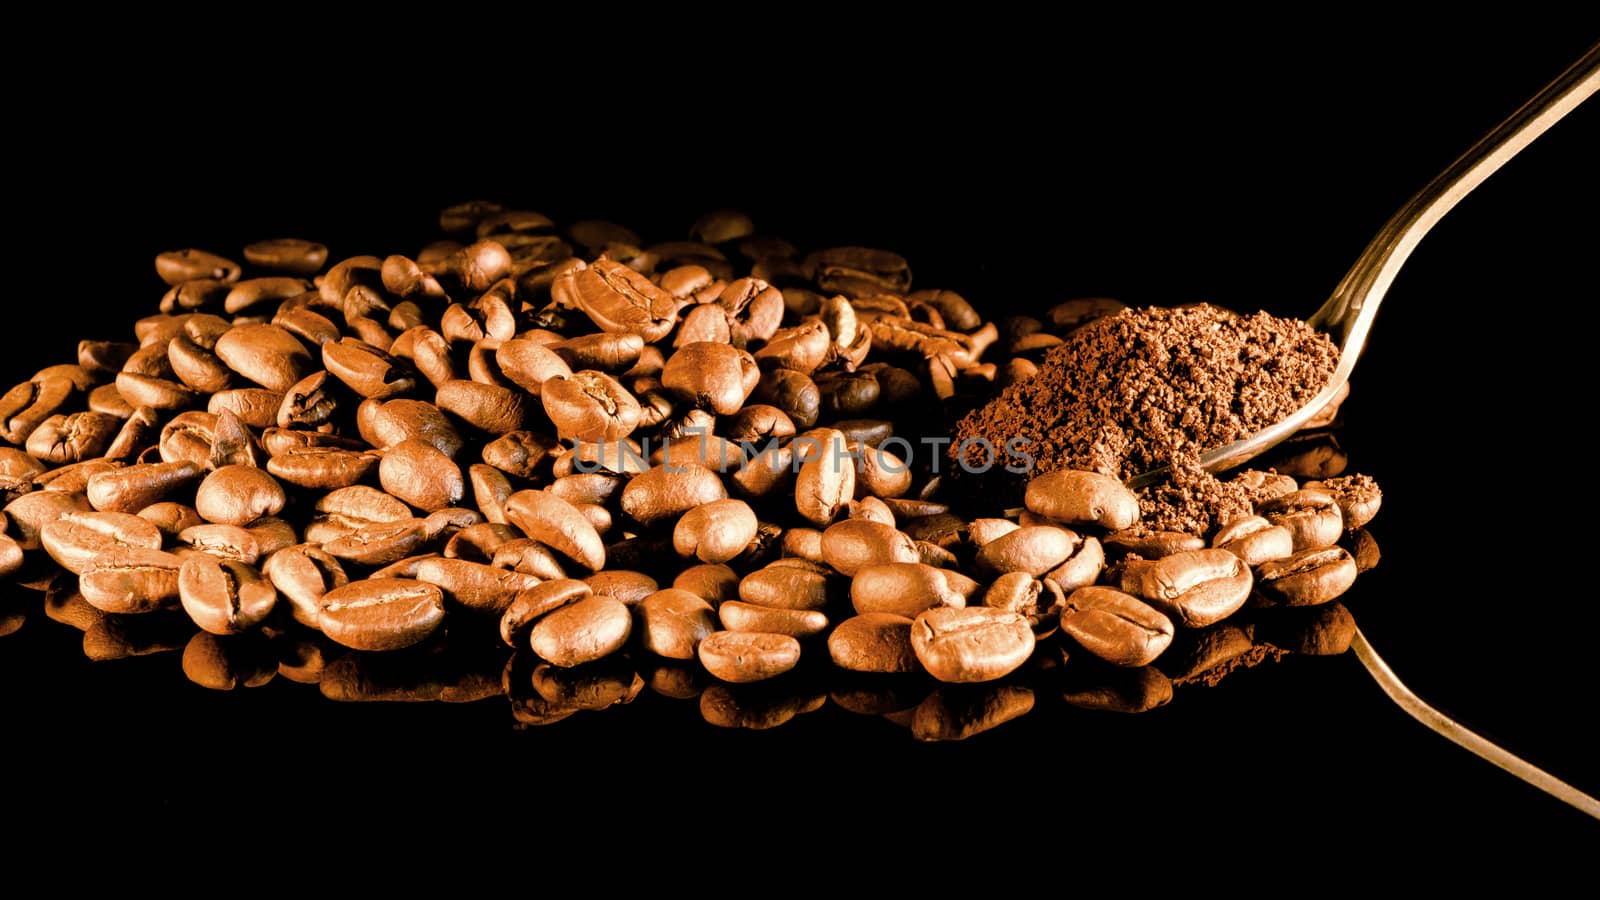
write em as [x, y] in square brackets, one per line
[265, 354]
[1323, 630]
[1083, 498]
[132, 488]
[486, 407]
[256, 407]
[238, 495]
[529, 557]
[664, 493]
[1082, 568]
[618, 299]
[1254, 540]
[1120, 690]
[713, 376]
[223, 596]
[1195, 587]
[1312, 516]
[75, 538]
[557, 524]
[714, 583]
[957, 713]
[308, 403]
[72, 438]
[737, 615]
[531, 603]
[171, 518]
[303, 574]
[223, 541]
[790, 584]
[380, 544]
[971, 644]
[1150, 544]
[130, 580]
[31, 513]
[478, 543]
[598, 685]
[478, 588]
[1308, 577]
[386, 614]
[1358, 496]
[987, 530]
[322, 468]
[583, 631]
[1035, 549]
[291, 255]
[673, 622]
[1364, 547]
[1264, 486]
[792, 392]
[873, 642]
[189, 436]
[716, 532]
[1040, 602]
[26, 406]
[904, 589]
[826, 481]
[416, 472]
[854, 544]
[1117, 627]
[741, 657]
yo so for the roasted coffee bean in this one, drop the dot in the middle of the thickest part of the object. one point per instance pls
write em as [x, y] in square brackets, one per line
[1082, 568]
[790, 584]
[1035, 549]
[1208, 655]
[307, 403]
[303, 574]
[741, 657]
[381, 614]
[854, 544]
[737, 615]
[228, 663]
[135, 434]
[557, 524]
[189, 436]
[223, 596]
[74, 539]
[1264, 486]
[247, 295]
[490, 491]
[1254, 540]
[1308, 577]
[256, 407]
[1358, 496]
[171, 518]
[971, 644]
[582, 631]
[105, 357]
[72, 438]
[957, 713]
[238, 495]
[826, 480]
[132, 488]
[486, 407]
[907, 589]
[712, 376]
[30, 514]
[873, 642]
[529, 557]
[478, 543]
[1313, 517]
[756, 707]
[130, 580]
[715, 532]
[1040, 602]
[379, 544]
[223, 541]
[368, 370]
[792, 392]
[478, 588]
[714, 583]
[291, 255]
[1117, 627]
[1364, 547]
[323, 468]
[618, 299]
[664, 493]
[416, 472]
[1195, 588]
[597, 685]
[178, 266]
[265, 354]
[1323, 630]
[673, 622]
[1150, 544]
[1083, 498]
[986, 530]
[26, 406]
[1120, 690]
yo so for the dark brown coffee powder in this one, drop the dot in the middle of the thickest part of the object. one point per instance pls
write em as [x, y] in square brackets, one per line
[1155, 387]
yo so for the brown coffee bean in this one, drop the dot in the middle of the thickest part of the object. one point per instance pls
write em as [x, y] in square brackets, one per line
[486, 407]
[130, 580]
[1208, 655]
[478, 543]
[987, 530]
[1195, 588]
[1083, 498]
[582, 631]
[714, 583]
[105, 357]
[1040, 602]
[606, 351]
[223, 541]
[1264, 486]
[72, 438]
[1308, 577]
[380, 544]
[557, 524]
[1035, 549]
[107, 399]
[1312, 516]
[529, 364]
[1121, 690]
[265, 354]
[307, 403]
[712, 376]
[291, 255]
[29, 404]
[74, 539]
[873, 642]
[907, 589]
[597, 685]
[618, 299]
[531, 603]
[957, 713]
[790, 584]
[715, 532]
[854, 544]
[238, 495]
[1364, 547]
[1358, 496]
[322, 468]
[1082, 568]
[386, 614]
[971, 644]
[826, 480]
[256, 407]
[178, 266]
[673, 622]
[416, 472]
[12, 557]
[367, 369]
[478, 588]
[590, 406]
[741, 657]
[737, 615]
[189, 436]
[248, 295]
[222, 663]
[132, 488]
[1151, 544]
[1117, 627]
[755, 707]
[303, 574]
[171, 518]
[312, 328]
[490, 490]
[1323, 630]
[1254, 540]
[157, 393]
[223, 596]
[664, 493]
[529, 557]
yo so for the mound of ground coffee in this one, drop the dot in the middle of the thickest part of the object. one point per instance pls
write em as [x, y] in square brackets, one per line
[1148, 388]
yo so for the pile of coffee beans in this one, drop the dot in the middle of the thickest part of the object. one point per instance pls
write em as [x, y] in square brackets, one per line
[561, 464]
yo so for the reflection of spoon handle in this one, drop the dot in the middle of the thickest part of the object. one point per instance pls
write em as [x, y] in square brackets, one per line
[1475, 743]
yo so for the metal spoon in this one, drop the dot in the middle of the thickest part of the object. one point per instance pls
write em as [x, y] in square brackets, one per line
[1348, 314]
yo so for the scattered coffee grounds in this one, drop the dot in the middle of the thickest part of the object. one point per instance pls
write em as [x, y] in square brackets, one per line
[1148, 388]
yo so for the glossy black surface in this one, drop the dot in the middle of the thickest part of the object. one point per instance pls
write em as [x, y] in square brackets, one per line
[1230, 172]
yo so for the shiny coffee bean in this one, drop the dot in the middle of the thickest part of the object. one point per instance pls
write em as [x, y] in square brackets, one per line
[1117, 627]
[223, 596]
[741, 657]
[1195, 588]
[386, 614]
[1309, 577]
[971, 644]
[583, 631]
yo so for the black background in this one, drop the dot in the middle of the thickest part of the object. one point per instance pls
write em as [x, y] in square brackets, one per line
[1020, 169]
